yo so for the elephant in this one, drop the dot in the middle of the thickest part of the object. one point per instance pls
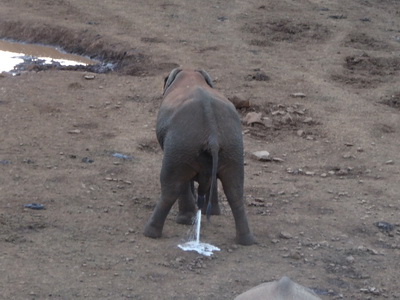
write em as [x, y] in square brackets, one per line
[284, 289]
[200, 133]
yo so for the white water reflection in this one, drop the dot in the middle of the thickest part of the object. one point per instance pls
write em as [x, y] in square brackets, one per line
[9, 60]
[12, 54]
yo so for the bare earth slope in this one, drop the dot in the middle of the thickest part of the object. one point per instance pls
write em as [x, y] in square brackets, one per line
[314, 210]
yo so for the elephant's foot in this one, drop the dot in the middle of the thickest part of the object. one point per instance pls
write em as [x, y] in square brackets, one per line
[186, 218]
[152, 231]
[245, 239]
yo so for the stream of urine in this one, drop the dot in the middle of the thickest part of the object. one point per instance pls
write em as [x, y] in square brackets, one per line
[194, 244]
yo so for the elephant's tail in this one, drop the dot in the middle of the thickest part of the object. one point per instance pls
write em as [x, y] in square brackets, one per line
[214, 150]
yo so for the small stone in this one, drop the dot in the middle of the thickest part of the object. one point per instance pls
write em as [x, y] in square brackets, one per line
[287, 118]
[268, 122]
[350, 259]
[261, 155]
[75, 131]
[298, 95]
[389, 162]
[342, 172]
[277, 159]
[89, 77]
[310, 173]
[285, 235]
[348, 156]
[300, 132]
[253, 118]
[278, 112]
[308, 120]
[323, 175]
[239, 103]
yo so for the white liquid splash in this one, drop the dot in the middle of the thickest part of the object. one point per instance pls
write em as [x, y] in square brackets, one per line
[194, 243]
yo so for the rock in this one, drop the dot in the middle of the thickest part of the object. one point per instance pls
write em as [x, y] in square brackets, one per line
[89, 76]
[239, 103]
[389, 162]
[75, 131]
[287, 118]
[277, 159]
[261, 155]
[300, 132]
[298, 95]
[342, 172]
[278, 112]
[350, 259]
[268, 122]
[253, 118]
[258, 76]
[87, 160]
[285, 235]
[384, 226]
[308, 120]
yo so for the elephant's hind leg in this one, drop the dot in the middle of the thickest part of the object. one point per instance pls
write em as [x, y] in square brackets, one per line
[187, 207]
[232, 182]
[170, 191]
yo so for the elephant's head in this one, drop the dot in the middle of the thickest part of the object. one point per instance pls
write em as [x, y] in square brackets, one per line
[176, 73]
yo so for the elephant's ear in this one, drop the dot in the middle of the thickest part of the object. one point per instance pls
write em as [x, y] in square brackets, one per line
[170, 78]
[206, 77]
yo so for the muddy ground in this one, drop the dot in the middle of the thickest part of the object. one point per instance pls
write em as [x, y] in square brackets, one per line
[314, 210]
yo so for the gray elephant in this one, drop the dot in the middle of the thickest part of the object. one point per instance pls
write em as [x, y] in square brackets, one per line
[200, 133]
[284, 289]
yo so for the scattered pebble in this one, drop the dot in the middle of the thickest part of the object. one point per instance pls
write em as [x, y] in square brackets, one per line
[384, 226]
[253, 118]
[350, 259]
[239, 103]
[261, 155]
[89, 76]
[277, 159]
[389, 162]
[122, 156]
[298, 95]
[75, 131]
[308, 120]
[87, 160]
[35, 206]
[285, 235]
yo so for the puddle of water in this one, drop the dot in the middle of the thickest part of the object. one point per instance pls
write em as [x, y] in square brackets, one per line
[194, 243]
[13, 54]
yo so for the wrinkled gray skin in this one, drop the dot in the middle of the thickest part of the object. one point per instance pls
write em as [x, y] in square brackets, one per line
[284, 289]
[201, 135]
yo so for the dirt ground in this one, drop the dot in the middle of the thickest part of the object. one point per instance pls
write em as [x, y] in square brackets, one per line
[325, 76]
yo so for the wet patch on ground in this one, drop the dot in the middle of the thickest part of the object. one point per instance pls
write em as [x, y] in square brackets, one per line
[113, 55]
